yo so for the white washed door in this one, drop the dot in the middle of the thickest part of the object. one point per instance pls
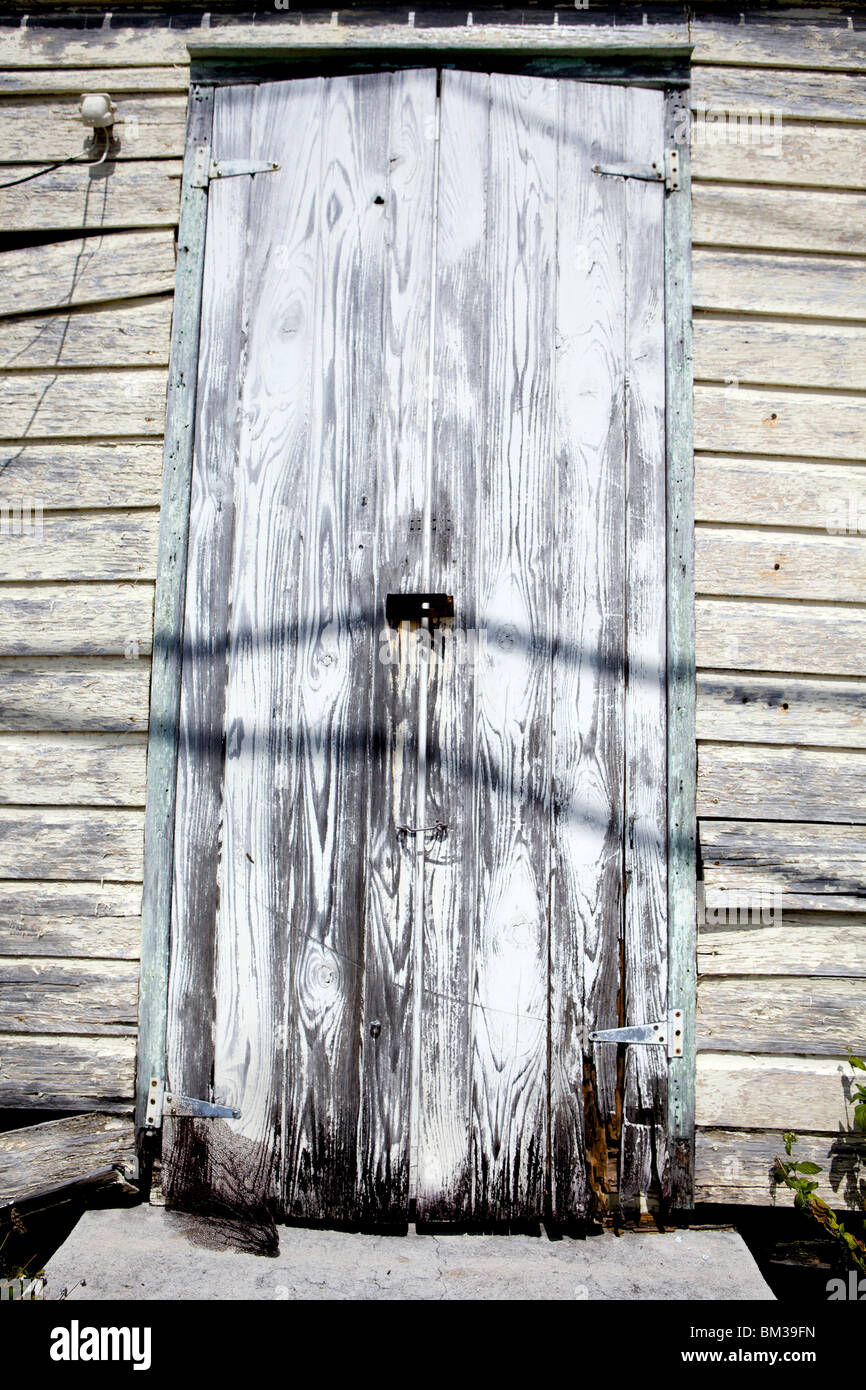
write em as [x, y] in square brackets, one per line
[432, 362]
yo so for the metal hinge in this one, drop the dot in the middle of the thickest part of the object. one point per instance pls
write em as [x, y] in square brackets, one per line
[667, 1032]
[162, 1102]
[204, 168]
[669, 175]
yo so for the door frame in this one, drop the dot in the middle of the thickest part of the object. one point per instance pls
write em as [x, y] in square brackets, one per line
[232, 56]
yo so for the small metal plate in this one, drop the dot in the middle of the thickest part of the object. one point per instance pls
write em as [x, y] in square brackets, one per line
[416, 608]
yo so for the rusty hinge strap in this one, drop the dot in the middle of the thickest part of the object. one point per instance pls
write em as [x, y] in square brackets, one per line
[666, 172]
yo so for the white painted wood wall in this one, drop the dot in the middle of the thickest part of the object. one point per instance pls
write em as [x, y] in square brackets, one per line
[780, 367]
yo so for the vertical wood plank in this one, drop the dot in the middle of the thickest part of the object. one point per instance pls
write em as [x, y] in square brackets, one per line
[643, 1156]
[510, 972]
[398, 472]
[588, 540]
[252, 958]
[189, 1043]
[682, 831]
[459, 390]
[329, 832]
[168, 614]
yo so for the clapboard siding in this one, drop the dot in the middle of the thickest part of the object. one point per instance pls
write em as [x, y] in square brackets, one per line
[77, 620]
[146, 127]
[134, 335]
[816, 96]
[752, 635]
[69, 843]
[784, 219]
[90, 270]
[63, 1151]
[72, 769]
[67, 1072]
[807, 862]
[64, 477]
[112, 545]
[50, 81]
[800, 944]
[76, 695]
[755, 420]
[82, 403]
[830, 44]
[60, 995]
[760, 282]
[736, 707]
[779, 564]
[811, 1016]
[69, 919]
[751, 1091]
[779, 783]
[781, 152]
[129, 193]
[783, 354]
[826, 497]
[737, 1166]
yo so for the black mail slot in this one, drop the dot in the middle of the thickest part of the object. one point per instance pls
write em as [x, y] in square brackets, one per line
[415, 608]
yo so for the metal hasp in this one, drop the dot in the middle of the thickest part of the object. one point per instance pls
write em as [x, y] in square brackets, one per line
[668, 173]
[162, 1102]
[205, 169]
[418, 608]
[668, 1032]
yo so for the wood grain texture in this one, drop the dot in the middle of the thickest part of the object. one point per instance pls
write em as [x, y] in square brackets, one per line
[189, 1033]
[168, 608]
[73, 695]
[643, 1155]
[761, 282]
[738, 40]
[738, 1165]
[513, 690]
[785, 784]
[740, 708]
[783, 354]
[389, 1139]
[135, 336]
[812, 864]
[753, 420]
[72, 769]
[68, 843]
[444, 1183]
[812, 638]
[146, 127]
[782, 219]
[812, 1016]
[802, 944]
[68, 919]
[126, 46]
[74, 620]
[811, 96]
[39, 995]
[111, 545]
[132, 193]
[744, 1091]
[780, 564]
[48, 81]
[82, 403]
[63, 1151]
[90, 270]
[828, 497]
[67, 1072]
[779, 152]
[69, 476]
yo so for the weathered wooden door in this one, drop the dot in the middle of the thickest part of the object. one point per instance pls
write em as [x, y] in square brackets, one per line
[413, 869]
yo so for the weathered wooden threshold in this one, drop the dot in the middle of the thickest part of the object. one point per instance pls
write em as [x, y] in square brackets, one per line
[41, 1162]
[228, 56]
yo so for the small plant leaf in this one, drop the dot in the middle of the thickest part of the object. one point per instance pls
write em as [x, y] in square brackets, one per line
[808, 1167]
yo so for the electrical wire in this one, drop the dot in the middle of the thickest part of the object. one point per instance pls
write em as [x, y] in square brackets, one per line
[73, 159]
